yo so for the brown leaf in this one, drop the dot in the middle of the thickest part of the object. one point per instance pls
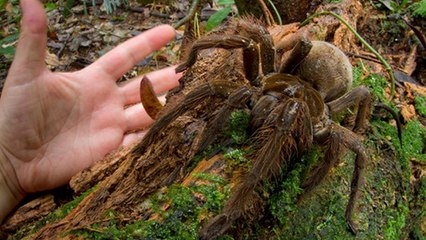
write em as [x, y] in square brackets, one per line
[416, 88]
[411, 64]
[408, 111]
[52, 60]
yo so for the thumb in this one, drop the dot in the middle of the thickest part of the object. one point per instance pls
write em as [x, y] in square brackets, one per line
[31, 49]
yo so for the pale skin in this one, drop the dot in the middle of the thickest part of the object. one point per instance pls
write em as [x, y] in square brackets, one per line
[53, 125]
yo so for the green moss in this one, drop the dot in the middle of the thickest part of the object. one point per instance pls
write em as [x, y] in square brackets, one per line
[419, 9]
[177, 222]
[420, 103]
[215, 193]
[414, 139]
[237, 157]
[377, 85]
[412, 150]
[180, 220]
[237, 126]
[357, 74]
[396, 222]
[211, 178]
[284, 202]
[58, 214]
[66, 208]
[419, 231]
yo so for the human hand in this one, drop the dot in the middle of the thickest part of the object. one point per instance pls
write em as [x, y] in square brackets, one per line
[52, 125]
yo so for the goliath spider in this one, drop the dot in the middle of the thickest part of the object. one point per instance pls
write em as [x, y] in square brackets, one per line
[290, 110]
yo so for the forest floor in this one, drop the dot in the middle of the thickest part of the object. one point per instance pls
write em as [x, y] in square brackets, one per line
[392, 205]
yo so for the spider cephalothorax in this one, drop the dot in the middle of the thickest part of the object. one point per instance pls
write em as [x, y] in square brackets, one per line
[291, 102]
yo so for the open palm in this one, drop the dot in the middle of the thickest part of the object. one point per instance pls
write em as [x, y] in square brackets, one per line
[56, 124]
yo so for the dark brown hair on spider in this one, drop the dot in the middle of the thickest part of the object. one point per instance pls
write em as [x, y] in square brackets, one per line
[293, 100]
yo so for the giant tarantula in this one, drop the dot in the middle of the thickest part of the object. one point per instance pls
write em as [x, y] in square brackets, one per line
[290, 110]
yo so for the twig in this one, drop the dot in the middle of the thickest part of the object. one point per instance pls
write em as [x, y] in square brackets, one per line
[190, 14]
[365, 57]
[418, 33]
[64, 44]
[280, 21]
[385, 63]
[159, 14]
[268, 15]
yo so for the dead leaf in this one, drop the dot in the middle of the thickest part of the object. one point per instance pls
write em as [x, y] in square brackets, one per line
[408, 111]
[9, 7]
[416, 88]
[52, 60]
[402, 77]
[411, 64]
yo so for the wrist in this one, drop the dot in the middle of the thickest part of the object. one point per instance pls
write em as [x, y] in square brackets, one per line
[10, 191]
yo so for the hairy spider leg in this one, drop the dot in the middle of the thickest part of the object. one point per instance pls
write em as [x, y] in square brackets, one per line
[250, 52]
[296, 55]
[352, 142]
[261, 110]
[331, 157]
[359, 95]
[256, 31]
[277, 142]
[235, 100]
[395, 116]
[149, 99]
[219, 88]
[339, 137]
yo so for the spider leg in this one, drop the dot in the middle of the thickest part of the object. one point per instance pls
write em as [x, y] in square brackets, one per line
[296, 55]
[261, 110]
[278, 140]
[341, 136]
[235, 100]
[330, 159]
[260, 35]
[211, 89]
[351, 141]
[359, 95]
[149, 99]
[250, 52]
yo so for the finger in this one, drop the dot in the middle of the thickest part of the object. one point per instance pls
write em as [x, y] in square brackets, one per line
[133, 137]
[31, 48]
[122, 58]
[162, 81]
[137, 118]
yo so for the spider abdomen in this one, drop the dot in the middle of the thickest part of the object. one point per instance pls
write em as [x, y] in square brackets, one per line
[328, 69]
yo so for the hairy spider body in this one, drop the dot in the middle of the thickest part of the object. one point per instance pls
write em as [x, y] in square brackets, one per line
[290, 111]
